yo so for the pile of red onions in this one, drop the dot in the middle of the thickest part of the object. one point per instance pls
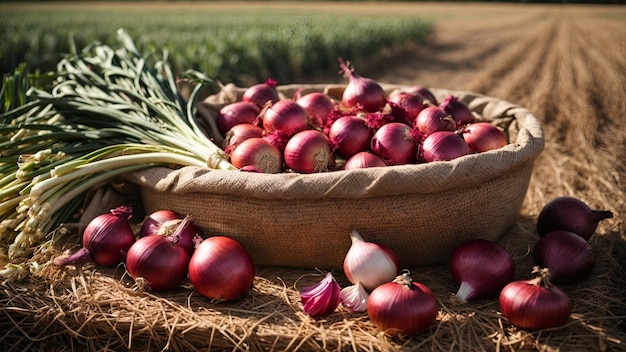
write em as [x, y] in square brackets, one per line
[406, 127]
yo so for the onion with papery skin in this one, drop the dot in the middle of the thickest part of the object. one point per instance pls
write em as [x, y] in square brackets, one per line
[459, 111]
[402, 307]
[364, 160]
[354, 297]
[261, 94]
[568, 256]
[349, 135]
[432, 119]
[424, 93]
[483, 136]
[317, 106]
[481, 268]
[322, 298]
[535, 304]
[444, 146]
[361, 91]
[106, 240]
[394, 143]
[371, 264]
[570, 214]
[308, 152]
[221, 269]
[165, 222]
[286, 116]
[412, 104]
[159, 262]
[240, 133]
[260, 154]
[236, 113]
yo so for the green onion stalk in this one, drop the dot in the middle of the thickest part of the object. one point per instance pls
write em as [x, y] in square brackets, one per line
[105, 112]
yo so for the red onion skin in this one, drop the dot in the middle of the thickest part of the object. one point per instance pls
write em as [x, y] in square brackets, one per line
[459, 111]
[432, 119]
[221, 268]
[393, 143]
[412, 104]
[309, 152]
[240, 133]
[364, 160]
[317, 107]
[165, 222]
[424, 93]
[483, 136]
[530, 305]
[286, 116]
[568, 256]
[444, 146]
[402, 309]
[159, 260]
[259, 153]
[106, 240]
[261, 94]
[350, 135]
[570, 214]
[362, 91]
[236, 113]
[482, 268]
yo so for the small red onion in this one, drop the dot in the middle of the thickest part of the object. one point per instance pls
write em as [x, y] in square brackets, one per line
[483, 136]
[424, 93]
[349, 135]
[259, 153]
[308, 152]
[481, 268]
[393, 143]
[240, 133]
[570, 214]
[402, 307]
[361, 91]
[262, 93]
[317, 107]
[535, 304]
[322, 298]
[106, 240]
[444, 146]
[221, 269]
[364, 160]
[166, 222]
[411, 103]
[459, 111]
[286, 116]
[371, 264]
[568, 256]
[236, 113]
[432, 119]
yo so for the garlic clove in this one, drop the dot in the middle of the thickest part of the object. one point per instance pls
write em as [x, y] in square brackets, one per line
[355, 297]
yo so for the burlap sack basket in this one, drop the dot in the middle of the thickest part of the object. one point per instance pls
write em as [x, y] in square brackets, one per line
[422, 212]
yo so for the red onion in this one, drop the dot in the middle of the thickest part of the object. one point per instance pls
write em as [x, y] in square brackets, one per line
[432, 119]
[411, 103]
[402, 307]
[535, 304]
[159, 261]
[286, 116]
[240, 133]
[309, 151]
[393, 142]
[371, 264]
[483, 136]
[444, 146]
[570, 214]
[166, 223]
[259, 153]
[349, 135]
[322, 298]
[568, 256]
[221, 268]
[424, 93]
[459, 111]
[262, 93]
[106, 240]
[317, 107]
[235, 114]
[481, 268]
[363, 160]
[361, 91]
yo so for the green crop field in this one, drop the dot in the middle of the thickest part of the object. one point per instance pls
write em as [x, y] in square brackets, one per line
[232, 44]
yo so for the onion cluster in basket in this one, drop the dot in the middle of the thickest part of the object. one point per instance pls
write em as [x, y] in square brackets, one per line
[312, 132]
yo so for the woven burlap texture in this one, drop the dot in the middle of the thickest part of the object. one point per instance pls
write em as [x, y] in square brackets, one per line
[422, 212]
